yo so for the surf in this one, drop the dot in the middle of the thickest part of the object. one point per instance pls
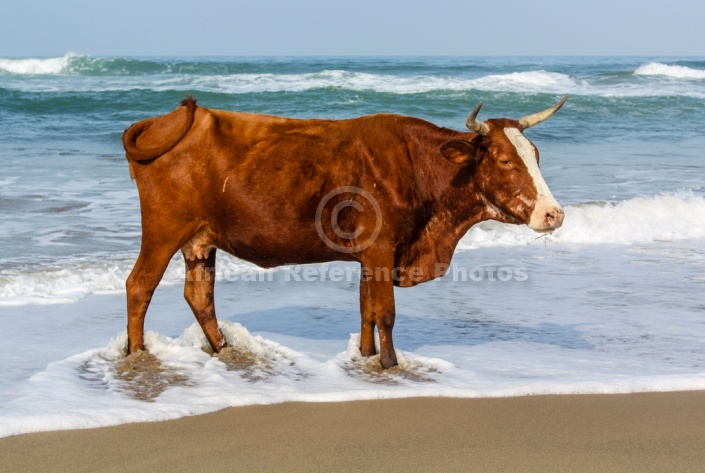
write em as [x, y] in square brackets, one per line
[671, 71]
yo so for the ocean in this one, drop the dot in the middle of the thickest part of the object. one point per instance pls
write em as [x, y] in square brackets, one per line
[612, 302]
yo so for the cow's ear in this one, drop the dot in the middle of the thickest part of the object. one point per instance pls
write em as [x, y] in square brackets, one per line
[459, 151]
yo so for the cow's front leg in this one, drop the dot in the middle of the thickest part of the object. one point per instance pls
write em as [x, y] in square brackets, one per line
[377, 308]
[367, 319]
[198, 292]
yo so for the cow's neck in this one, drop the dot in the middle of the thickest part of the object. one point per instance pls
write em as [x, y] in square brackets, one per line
[429, 254]
[446, 190]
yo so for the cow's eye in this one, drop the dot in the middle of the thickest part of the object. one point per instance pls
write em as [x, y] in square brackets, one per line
[504, 162]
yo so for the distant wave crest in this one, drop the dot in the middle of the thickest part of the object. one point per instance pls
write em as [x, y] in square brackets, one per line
[81, 64]
[241, 77]
[54, 65]
[677, 72]
[126, 74]
[538, 81]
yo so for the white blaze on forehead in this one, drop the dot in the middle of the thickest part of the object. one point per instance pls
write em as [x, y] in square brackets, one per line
[526, 152]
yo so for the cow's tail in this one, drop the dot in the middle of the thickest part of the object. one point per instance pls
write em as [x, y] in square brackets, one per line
[158, 135]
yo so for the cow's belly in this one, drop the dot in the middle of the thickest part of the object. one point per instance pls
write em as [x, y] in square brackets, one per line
[268, 249]
[271, 220]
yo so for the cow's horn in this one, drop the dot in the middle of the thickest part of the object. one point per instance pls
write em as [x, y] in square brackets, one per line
[536, 118]
[476, 125]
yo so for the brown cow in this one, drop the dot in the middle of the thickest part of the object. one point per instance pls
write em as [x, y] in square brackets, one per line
[395, 193]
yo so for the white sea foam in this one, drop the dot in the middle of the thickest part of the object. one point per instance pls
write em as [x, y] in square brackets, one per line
[677, 72]
[88, 74]
[534, 81]
[537, 81]
[639, 220]
[61, 283]
[33, 66]
[179, 378]
[247, 83]
[521, 81]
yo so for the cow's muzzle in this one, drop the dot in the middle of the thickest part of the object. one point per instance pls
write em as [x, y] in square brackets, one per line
[547, 216]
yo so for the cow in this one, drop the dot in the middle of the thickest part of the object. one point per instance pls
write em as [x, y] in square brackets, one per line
[392, 192]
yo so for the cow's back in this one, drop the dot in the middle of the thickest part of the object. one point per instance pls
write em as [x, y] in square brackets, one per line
[255, 181]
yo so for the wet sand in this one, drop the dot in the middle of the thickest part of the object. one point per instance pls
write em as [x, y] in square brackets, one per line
[595, 433]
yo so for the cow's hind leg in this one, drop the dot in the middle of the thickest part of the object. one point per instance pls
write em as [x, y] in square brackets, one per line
[141, 284]
[198, 291]
[377, 308]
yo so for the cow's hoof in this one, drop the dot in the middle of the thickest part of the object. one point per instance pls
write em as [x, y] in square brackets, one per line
[223, 345]
[131, 349]
[388, 361]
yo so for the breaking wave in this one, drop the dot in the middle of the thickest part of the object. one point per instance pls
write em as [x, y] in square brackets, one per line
[126, 74]
[55, 65]
[538, 81]
[643, 219]
[676, 72]
[81, 64]
[82, 73]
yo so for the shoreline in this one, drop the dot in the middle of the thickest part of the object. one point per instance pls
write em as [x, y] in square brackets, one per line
[637, 432]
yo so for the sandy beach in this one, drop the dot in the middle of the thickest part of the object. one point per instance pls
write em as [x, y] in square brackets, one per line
[631, 432]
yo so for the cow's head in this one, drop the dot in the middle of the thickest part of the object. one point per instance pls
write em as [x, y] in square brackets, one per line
[505, 169]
